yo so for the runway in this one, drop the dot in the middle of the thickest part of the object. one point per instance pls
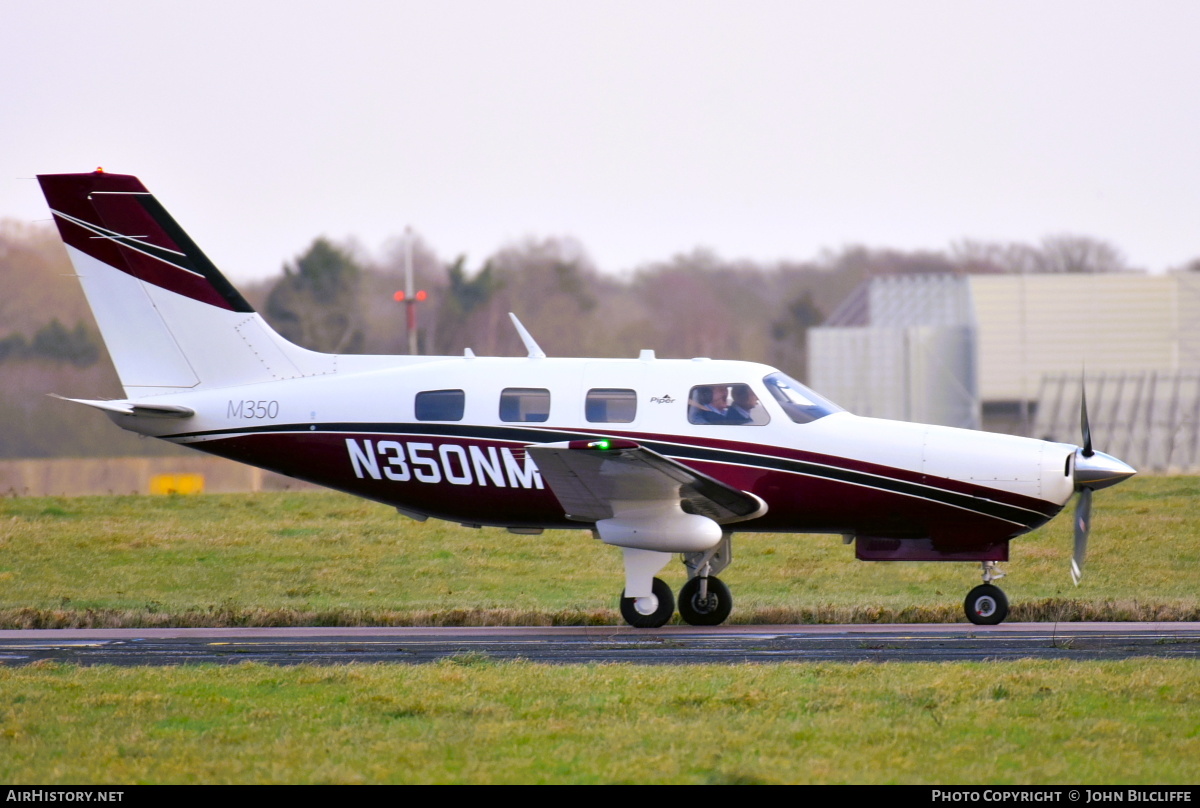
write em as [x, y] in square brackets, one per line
[603, 644]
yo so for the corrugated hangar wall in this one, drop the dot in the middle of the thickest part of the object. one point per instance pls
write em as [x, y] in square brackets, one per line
[1150, 420]
[918, 373]
[1033, 325]
[902, 348]
[1024, 341]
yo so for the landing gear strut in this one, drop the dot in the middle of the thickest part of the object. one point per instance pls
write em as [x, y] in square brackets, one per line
[987, 605]
[705, 601]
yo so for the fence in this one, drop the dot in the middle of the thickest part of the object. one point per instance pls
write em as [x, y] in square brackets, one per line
[137, 475]
[1149, 419]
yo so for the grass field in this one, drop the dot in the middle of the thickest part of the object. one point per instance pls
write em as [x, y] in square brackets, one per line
[329, 559]
[475, 721]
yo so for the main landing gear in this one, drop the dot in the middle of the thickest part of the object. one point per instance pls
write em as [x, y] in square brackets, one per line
[705, 600]
[702, 602]
[987, 605]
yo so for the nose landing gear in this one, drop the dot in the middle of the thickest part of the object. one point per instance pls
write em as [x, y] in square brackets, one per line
[987, 605]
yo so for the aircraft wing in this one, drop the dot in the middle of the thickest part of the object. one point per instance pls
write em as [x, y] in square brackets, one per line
[592, 479]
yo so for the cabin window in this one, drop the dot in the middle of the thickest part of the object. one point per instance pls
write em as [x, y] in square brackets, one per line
[610, 406]
[801, 404]
[731, 404]
[440, 405]
[524, 404]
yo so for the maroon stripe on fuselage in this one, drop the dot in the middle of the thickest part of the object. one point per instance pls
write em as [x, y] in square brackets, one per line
[797, 503]
[323, 458]
[1047, 509]
[805, 504]
[694, 449]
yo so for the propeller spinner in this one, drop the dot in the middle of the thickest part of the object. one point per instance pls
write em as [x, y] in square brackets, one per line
[1093, 470]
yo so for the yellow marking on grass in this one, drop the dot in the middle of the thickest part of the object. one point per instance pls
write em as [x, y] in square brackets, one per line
[177, 484]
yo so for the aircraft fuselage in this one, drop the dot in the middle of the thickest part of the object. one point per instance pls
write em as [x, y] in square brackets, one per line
[360, 433]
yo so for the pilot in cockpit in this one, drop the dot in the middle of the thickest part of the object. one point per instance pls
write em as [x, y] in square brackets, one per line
[741, 410]
[726, 404]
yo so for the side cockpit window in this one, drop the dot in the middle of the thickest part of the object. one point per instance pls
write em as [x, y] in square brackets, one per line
[610, 406]
[524, 404]
[801, 404]
[440, 405]
[726, 404]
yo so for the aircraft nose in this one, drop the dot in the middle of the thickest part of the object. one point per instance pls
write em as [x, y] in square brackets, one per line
[1099, 470]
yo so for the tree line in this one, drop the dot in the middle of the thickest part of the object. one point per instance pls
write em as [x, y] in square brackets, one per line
[334, 296]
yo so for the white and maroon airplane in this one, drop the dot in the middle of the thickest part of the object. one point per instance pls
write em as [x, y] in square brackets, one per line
[654, 456]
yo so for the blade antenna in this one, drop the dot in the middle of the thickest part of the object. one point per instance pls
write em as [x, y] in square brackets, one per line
[535, 350]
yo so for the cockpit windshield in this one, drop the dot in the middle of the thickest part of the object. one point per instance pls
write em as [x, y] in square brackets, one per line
[801, 404]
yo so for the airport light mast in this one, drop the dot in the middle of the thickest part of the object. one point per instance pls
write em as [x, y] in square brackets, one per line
[407, 296]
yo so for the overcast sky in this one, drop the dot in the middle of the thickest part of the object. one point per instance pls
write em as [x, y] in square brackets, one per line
[763, 130]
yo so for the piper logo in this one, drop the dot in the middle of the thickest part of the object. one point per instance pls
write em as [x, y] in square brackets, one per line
[662, 400]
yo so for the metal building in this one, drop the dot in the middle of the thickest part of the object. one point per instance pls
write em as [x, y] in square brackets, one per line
[901, 347]
[1007, 352]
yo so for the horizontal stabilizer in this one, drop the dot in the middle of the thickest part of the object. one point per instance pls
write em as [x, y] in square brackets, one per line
[135, 408]
[595, 480]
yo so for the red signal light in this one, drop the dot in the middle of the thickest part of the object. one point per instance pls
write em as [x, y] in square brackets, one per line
[421, 295]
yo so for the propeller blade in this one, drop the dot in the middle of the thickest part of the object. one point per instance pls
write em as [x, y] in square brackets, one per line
[1084, 426]
[1083, 526]
[1092, 470]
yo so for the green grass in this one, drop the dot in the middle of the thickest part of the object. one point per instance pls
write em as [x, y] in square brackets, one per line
[327, 558]
[330, 559]
[474, 721]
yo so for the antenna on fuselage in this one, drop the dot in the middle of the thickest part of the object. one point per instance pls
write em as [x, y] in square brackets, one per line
[535, 350]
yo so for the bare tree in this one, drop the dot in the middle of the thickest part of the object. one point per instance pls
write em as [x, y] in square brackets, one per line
[1077, 254]
[1057, 254]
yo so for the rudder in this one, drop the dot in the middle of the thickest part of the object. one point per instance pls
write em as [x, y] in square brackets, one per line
[169, 318]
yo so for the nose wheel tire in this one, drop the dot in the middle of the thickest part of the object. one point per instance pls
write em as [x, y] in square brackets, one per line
[711, 610]
[661, 613]
[986, 605]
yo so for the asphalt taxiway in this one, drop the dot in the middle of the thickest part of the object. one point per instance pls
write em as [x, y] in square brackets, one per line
[603, 644]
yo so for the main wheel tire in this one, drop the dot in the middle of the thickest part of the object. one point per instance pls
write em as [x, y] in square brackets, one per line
[712, 610]
[660, 616]
[986, 605]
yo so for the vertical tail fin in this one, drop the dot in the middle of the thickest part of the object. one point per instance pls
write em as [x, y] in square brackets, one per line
[169, 318]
